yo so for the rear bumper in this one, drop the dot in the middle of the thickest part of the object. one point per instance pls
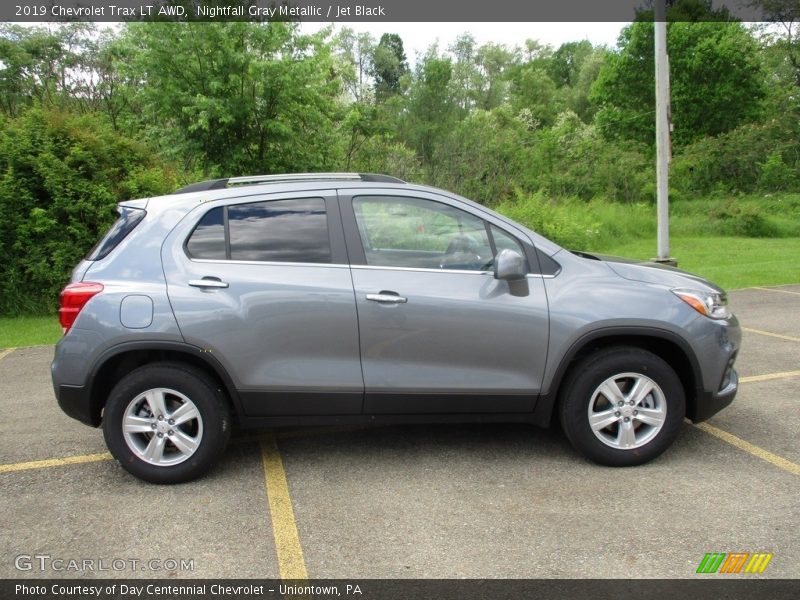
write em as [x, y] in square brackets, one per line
[76, 402]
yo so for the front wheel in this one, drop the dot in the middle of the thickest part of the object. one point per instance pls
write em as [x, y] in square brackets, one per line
[623, 407]
[166, 423]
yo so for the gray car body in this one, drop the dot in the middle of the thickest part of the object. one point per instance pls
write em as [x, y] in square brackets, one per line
[297, 343]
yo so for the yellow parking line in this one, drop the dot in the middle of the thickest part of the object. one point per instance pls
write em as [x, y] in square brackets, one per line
[291, 564]
[6, 352]
[88, 458]
[766, 455]
[769, 376]
[766, 289]
[54, 462]
[770, 334]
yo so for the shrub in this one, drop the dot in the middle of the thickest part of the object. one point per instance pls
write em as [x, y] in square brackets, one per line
[567, 224]
[60, 177]
[745, 221]
[776, 175]
[743, 160]
[379, 154]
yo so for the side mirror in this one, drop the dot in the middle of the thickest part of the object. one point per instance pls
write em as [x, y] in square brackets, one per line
[509, 266]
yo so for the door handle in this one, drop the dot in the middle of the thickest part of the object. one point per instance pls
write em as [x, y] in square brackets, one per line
[387, 298]
[208, 282]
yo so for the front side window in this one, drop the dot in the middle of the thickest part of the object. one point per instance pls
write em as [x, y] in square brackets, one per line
[503, 241]
[417, 233]
[293, 230]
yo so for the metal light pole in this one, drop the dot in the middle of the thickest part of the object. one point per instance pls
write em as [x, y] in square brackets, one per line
[662, 133]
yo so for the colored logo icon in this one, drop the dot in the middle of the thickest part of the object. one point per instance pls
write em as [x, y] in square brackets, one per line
[734, 562]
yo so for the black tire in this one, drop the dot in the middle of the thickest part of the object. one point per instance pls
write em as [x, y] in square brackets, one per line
[582, 391]
[209, 431]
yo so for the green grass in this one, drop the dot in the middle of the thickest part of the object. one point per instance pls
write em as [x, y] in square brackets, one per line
[29, 331]
[737, 241]
[731, 262]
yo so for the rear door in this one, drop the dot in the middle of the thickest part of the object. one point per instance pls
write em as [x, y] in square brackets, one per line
[263, 284]
[438, 333]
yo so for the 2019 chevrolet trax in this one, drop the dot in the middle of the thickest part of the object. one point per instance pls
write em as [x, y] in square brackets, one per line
[348, 298]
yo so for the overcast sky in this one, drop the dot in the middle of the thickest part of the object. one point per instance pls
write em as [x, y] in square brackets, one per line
[417, 37]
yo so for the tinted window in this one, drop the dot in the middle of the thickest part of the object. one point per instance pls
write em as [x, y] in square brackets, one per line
[280, 230]
[416, 233]
[128, 219]
[208, 238]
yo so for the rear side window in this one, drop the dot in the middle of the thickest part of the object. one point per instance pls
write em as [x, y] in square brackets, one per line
[208, 238]
[293, 230]
[128, 219]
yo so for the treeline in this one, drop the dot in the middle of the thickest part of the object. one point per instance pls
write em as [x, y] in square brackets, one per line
[89, 116]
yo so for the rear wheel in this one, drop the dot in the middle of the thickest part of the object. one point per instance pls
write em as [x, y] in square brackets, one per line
[166, 423]
[623, 407]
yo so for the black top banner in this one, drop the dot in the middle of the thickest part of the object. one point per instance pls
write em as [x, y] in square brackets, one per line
[359, 10]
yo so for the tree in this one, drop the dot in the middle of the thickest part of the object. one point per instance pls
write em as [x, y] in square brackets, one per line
[576, 95]
[785, 15]
[237, 97]
[356, 52]
[390, 65]
[533, 90]
[48, 66]
[431, 110]
[715, 73]
[480, 74]
[494, 63]
[567, 62]
[465, 71]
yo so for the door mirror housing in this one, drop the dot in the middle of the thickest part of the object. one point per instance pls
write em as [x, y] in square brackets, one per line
[509, 266]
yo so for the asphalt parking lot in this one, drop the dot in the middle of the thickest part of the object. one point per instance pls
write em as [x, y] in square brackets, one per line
[491, 501]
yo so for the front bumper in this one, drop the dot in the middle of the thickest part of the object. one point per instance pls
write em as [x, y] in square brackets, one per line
[717, 350]
[710, 403]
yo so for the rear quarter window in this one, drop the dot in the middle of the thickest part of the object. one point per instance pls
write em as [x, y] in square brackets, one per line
[208, 238]
[128, 219]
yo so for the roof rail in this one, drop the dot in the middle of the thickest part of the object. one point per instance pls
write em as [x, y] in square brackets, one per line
[218, 184]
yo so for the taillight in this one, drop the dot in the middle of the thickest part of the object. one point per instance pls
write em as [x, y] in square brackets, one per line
[73, 298]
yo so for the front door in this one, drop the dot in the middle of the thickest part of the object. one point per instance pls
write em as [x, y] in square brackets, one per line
[438, 333]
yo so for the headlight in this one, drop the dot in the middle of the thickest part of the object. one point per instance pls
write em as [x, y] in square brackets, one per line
[710, 304]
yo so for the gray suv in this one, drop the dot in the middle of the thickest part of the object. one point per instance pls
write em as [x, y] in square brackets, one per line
[350, 298]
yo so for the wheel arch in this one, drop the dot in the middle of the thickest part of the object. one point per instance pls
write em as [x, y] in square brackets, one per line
[666, 344]
[121, 359]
